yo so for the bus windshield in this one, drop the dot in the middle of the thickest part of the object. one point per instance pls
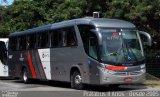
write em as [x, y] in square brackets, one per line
[121, 46]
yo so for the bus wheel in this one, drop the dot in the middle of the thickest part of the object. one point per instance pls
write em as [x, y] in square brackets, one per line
[76, 81]
[25, 77]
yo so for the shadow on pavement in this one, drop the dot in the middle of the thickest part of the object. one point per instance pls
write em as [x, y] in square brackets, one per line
[87, 87]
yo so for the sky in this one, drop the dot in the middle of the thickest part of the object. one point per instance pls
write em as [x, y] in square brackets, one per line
[10, 2]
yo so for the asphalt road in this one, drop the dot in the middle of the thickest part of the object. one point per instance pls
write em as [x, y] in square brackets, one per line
[16, 88]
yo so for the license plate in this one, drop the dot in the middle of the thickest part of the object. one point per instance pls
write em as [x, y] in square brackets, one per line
[128, 79]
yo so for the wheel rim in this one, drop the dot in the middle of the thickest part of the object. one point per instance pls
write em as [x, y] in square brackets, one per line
[78, 79]
[25, 76]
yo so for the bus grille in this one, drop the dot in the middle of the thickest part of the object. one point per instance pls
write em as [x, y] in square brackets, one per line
[127, 73]
[120, 73]
[135, 73]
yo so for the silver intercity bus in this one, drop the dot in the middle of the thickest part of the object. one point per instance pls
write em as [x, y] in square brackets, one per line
[95, 51]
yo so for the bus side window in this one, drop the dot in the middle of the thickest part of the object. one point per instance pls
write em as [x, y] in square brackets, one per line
[65, 37]
[68, 38]
[93, 46]
[38, 40]
[22, 43]
[32, 42]
[28, 42]
[13, 43]
[61, 35]
[84, 32]
[44, 39]
[54, 38]
[18, 44]
[71, 37]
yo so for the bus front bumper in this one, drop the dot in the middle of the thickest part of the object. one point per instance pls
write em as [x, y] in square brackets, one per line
[132, 77]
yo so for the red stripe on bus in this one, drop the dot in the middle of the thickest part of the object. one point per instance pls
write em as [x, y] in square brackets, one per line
[31, 65]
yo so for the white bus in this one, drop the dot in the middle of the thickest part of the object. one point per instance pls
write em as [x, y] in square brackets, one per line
[3, 57]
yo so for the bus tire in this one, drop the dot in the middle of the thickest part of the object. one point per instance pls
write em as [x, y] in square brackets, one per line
[25, 78]
[76, 81]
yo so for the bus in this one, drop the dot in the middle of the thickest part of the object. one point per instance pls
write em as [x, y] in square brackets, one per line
[3, 57]
[95, 51]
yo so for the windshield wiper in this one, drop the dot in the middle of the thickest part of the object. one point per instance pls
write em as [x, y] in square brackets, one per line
[125, 51]
[129, 51]
[118, 53]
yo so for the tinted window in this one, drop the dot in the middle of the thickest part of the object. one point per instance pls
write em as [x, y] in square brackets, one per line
[84, 32]
[93, 46]
[42, 40]
[89, 40]
[13, 43]
[31, 41]
[38, 40]
[22, 42]
[65, 37]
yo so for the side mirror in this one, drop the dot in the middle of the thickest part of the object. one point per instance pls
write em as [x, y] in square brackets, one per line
[148, 36]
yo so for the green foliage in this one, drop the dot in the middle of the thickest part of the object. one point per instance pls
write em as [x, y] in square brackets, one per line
[25, 14]
[68, 9]
[144, 14]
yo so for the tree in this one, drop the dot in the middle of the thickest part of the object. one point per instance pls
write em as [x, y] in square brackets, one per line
[21, 15]
[144, 14]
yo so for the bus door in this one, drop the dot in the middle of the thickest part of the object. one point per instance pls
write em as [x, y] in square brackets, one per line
[3, 60]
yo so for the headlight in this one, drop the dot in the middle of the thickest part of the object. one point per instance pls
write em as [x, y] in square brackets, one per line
[143, 70]
[143, 66]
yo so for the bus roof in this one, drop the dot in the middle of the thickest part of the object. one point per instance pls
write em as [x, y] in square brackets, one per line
[97, 22]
